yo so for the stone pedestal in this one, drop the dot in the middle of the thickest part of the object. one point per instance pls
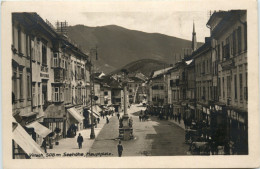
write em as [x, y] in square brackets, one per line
[126, 132]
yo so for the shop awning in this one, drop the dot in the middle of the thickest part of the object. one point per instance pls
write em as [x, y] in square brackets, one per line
[25, 141]
[39, 129]
[25, 114]
[96, 109]
[76, 114]
[95, 114]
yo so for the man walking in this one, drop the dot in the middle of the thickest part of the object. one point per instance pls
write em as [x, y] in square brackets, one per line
[44, 145]
[118, 115]
[80, 140]
[119, 149]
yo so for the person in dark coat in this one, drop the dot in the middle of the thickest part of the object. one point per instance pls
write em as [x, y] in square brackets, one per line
[119, 149]
[98, 119]
[118, 115]
[80, 141]
[44, 145]
[107, 120]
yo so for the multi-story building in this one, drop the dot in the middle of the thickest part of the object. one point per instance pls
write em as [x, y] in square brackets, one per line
[50, 82]
[133, 85]
[202, 59]
[229, 34]
[158, 88]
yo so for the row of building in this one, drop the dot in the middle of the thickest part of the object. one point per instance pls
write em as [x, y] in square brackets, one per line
[209, 87]
[52, 84]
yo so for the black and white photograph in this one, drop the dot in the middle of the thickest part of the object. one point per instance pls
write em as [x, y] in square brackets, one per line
[112, 84]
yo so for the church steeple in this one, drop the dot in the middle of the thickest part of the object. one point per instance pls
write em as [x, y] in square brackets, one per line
[194, 39]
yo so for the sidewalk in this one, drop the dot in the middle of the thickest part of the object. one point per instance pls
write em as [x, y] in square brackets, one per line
[70, 145]
[181, 124]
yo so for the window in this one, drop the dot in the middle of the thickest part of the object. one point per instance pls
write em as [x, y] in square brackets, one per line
[56, 94]
[228, 86]
[161, 87]
[32, 49]
[222, 48]
[15, 82]
[55, 60]
[105, 93]
[33, 94]
[204, 93]
[28, 80]
[218, 51]
[27, 45]
[19, 40]
[234, 43]
[245, 35]
[21, 84]
[39, 94]
[239, 40]
[241, 86]
[245, 89]
[235, 86]
[44, 54]
[223, 84]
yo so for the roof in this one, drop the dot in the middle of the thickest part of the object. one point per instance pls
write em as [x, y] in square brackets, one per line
[202, 49]
[160, 72]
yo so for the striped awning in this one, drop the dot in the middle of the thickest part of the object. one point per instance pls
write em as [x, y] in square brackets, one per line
[76, 114]
[25, 141]
[39, 129]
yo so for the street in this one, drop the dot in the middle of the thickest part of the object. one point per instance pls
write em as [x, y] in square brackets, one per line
[152, 138]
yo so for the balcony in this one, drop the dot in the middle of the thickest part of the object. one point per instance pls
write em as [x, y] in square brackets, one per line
[44, 69]
[58, 76]
[228, 64]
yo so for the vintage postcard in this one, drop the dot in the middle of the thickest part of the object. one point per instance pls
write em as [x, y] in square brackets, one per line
[131, 84]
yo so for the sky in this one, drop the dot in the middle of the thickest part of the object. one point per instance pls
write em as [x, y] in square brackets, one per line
[178, 24]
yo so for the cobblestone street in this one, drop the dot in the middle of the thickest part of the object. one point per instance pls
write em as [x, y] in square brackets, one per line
[152, 138]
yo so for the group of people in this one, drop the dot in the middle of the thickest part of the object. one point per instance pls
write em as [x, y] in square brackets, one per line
[143, 115]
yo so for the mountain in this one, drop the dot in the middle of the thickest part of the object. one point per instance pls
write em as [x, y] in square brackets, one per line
[118, 46]
[145, 66]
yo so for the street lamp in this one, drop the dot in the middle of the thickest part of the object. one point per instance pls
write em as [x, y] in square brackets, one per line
[92, 88]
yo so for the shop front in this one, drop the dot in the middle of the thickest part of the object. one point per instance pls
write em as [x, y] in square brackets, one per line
[23, 144]
[74, 121]
[218, 126]
[237, 131]
[55, 120]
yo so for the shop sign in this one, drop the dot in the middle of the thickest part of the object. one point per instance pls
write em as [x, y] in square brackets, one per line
[52, 120]
[44, 75]
[218, 107]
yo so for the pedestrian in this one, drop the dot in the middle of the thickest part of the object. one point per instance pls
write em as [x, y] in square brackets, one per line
[119, 149]
[107, 120]
[118, 115]
[44, 145]
[80, 141]
[141, 115]
[98, 119]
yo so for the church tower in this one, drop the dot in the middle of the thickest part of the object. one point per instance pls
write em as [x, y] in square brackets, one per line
[194, 39]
